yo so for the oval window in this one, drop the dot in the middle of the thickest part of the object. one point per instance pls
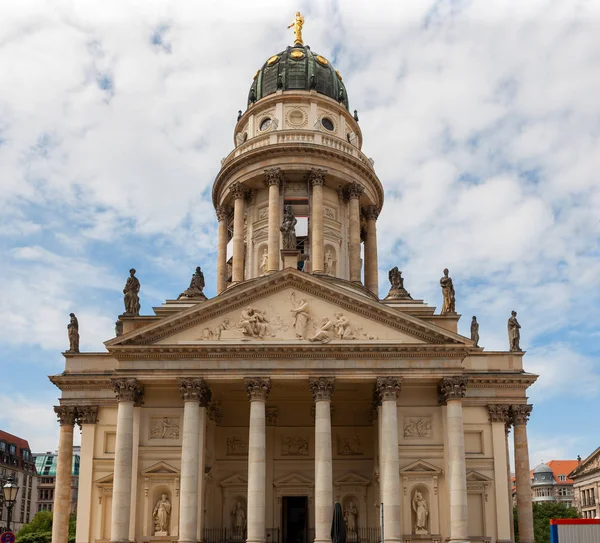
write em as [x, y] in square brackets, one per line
[327, 123]
[265, 124]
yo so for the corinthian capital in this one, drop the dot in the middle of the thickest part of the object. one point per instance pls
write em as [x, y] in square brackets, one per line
[520, 413]
[127, 389]
[317, 176]
[65, 414]
[238, 190]
[370, 212]
[452, 388]
[223, 212]
[194, 390]
[499, 413]
[388, 388]
[354, 190]
[258, 388]
[87, 414]
[273, 176]
[321, 387]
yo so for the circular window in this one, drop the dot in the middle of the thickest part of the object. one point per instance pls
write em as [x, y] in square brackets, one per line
[296, 117]
[265, 124]
[327, 123]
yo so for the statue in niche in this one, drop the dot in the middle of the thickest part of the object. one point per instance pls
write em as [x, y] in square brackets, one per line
[324, 332]
[131, 298]
[475, 331]
[342, 327]
[300, 313]
[288, 228]
[196, 286]
[419, 505]
[73, 332]
[239, 520]
[254, 323]
[161, 515]
[264, 262]
[514, 332]
[449, 305]
[329, 265]
[351, 517]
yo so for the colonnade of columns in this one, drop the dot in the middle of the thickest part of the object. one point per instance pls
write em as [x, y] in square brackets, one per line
[196, 396]
[274, 180]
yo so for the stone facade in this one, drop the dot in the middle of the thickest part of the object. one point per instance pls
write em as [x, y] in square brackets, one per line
[248, 415]
[586, 485]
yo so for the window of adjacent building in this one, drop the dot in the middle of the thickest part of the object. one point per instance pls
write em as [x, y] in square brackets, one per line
[12, 449]
[3, 446]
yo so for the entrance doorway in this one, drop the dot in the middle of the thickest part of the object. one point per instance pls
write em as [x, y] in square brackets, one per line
[295, 519]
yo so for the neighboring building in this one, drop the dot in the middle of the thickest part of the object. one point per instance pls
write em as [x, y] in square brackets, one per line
[45, 464]
[551, 482]
[16, 460]
[586, 485]
[246, 416]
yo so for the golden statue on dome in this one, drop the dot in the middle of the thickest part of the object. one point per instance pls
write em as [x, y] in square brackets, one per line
[297, 24]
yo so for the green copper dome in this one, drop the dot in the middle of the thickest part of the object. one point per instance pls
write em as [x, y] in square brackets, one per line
[298, 68]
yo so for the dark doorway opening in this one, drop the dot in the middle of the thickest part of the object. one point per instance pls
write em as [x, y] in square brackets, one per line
[295, 519]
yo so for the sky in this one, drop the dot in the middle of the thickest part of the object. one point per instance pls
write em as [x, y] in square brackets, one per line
[482, 118]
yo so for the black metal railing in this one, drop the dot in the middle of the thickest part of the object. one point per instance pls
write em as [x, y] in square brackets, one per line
[364, 534]
[273, 535]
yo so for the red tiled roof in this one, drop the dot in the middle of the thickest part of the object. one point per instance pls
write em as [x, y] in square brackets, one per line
[562, 467]
[18, 441]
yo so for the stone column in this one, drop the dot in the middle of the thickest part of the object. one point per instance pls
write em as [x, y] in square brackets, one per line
[273, 179]
[62, 491]
[316, 177]
[371, 272]
[388, 389]
[520, 415]
[128, 392]
[239, 193]
[222, 216]
[322, 390]
[195, 395]
[452, 391]
[87, 416]
[509, 478]
[499, 416]
[258, 389]
[354, 191]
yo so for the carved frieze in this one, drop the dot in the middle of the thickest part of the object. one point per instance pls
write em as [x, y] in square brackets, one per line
[164, 428]
[417, 427]
[294, 446]
[349, 445]
[236, 447]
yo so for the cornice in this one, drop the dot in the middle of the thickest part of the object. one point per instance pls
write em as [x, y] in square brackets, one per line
[245, 294]
[294, 149]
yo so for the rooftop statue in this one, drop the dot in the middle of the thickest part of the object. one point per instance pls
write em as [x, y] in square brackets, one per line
[397, 290]
[196, 286]
[449, 304]
[131, 298]
[514, 332]
[475, 331]
[297, 25]
[73, 331]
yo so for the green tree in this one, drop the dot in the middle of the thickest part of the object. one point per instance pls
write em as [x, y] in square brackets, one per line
[542, 513]
[39, 530]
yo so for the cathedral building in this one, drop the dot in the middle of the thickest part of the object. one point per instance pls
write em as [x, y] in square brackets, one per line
[247, 416]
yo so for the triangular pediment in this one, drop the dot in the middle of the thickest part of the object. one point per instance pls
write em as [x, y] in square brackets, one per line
[589, 465]
[160, 468]
[293, 479]
[421, 467]
[476, 477]
[234, 480]
[290, 307]
[352, 479]
[107, 480]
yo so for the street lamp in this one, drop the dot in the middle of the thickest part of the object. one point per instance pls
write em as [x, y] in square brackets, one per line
[10, 491]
